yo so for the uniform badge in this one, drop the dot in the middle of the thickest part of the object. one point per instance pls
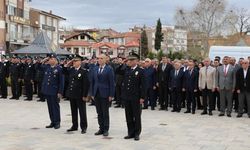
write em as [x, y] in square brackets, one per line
[29, 66]
[55, 71]
[79, 75]
[4, 64]
[136, 73]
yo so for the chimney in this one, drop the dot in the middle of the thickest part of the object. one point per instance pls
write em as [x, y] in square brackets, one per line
[50, 11]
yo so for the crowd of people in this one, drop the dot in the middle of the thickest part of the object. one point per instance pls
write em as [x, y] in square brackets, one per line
[133, 84]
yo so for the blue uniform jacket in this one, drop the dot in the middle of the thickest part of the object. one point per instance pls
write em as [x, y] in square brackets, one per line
[53, 81]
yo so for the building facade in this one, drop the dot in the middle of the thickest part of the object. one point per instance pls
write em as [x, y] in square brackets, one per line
[19, 24]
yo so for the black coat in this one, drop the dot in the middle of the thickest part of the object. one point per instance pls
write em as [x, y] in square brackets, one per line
[176, 81]
[15, 71]
[29, 72]
[240, 80]
[4, 70]
[163, 76]
[78, 83]
[133, 85]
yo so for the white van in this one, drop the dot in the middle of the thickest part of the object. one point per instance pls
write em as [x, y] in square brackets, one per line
[231, 51]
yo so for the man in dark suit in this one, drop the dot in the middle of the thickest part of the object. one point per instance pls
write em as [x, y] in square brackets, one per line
[103, 91]
[4, 73]
[133, 94]
[52, 88]
[175, 86]
[29, 74]
[190, 86]
[162, 82]
[39, 78]
[150, 85]
[243, 87]
[77, 92]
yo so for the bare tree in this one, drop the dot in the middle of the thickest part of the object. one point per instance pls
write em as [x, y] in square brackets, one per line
[207, 16]
[241, 20]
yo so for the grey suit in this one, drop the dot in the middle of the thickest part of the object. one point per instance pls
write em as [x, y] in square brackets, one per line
[225, 83]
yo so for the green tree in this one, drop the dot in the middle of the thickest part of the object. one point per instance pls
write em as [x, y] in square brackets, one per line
[158, 35]
[159, 55]
[144, 43]
[151, 55]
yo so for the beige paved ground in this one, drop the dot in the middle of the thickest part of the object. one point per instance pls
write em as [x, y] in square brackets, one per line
[22, 128]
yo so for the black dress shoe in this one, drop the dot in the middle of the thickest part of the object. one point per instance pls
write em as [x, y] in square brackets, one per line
[117, 106]
[50, 126]
[221, 114]
[3, 97]
[28, 99]
[83, 131]
[187, 112]
[12, 98]
[239, 116]
[99, 132]
[229, 115]
[129, 137]
[193, 112]
[137, 138]
[105, 133]
[57, 126]
[71, 129]
[152, 108]
[210, 113]
[145, 108]
[173, 110]
[161, 108]
[204, 113]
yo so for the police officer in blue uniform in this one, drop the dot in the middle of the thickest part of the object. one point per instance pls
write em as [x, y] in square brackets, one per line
[52, 88]
[4, 73]
[133, 94]
[77, 92]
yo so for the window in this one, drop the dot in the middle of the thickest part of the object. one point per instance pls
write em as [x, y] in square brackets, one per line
[13, 31]
[82, 37]
[69, 49]
[49, 33]
[76, 51]
[49, 21]
[12, 10]
[19, 12]
[110, 52]
[42, 20]
[26, 33]
[26, 14]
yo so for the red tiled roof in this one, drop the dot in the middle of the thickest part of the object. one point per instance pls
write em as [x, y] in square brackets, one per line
[133, 44]
[76, 43]
[108, 44]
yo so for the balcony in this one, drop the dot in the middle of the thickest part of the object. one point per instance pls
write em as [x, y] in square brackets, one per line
[24, 37]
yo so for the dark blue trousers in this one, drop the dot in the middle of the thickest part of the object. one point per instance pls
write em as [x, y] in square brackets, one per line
[54, 109]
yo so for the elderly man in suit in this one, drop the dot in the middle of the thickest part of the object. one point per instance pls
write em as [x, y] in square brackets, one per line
[225, 81]
[103, 91]
[190, 86]
[207, 85]
[175, 86]
[243, 87]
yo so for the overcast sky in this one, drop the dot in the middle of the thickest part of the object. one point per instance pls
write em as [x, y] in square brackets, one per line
[118, 14]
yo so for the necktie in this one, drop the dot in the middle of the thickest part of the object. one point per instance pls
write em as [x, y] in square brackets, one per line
[100, 70]
[176, 73]
[225, 70]
[190, 72]
[206, 71]
[163, 67]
